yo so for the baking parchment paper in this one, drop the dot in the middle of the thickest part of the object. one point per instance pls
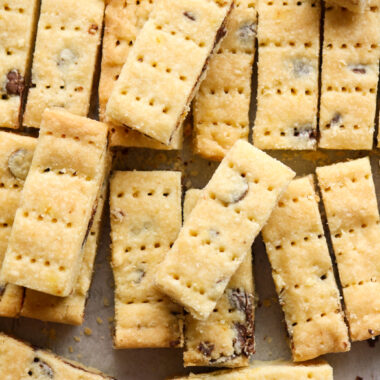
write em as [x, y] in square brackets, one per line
[91, 343]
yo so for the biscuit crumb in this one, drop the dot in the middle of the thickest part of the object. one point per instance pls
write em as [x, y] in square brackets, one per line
[71, 349]
[267, 302]
[110, 319]
[106, 301]
[87, 331]
[99, 321]
[77, 339]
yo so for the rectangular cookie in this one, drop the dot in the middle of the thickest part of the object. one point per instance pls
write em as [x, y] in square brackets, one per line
[226, 338]
[350, 72]
[350, 202]
[215, 238]
[68, 37]
[57, 205]
[70, 309]
[303, 274]
[20, 361]
[287, 92]
[221, 106]
[123, 21]
[145, 212]
[172, 51]
[270, 371]
[16, 154]
[17, 31]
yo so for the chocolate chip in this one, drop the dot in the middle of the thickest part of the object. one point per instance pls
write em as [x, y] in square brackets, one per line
[190, 15]
[93, 29]
[117, 214]
[66, 57]
[40, 368]
[358, 69]
[139, 275]
[302, 67]
[336, 120]
[236, 190]
[174, 343]
[206, 348]
[247, 33]
[15, 83]
[372, 341]
[19, 163]
[244, 341]
[305, 131]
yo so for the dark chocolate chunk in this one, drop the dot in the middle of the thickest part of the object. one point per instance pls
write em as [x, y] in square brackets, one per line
[372, 341]
[190, 15]
[41, 368]
[206, 348]
[93, 29]
[174, 343]
[358, 69]
[140, 273]
[19, 163]
[336, 120]
[305, 131]
[15, 83]
[244, 341]
[247, 32]
[302, 67]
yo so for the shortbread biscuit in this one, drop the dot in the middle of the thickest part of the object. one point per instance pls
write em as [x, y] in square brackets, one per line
[352, 5]
[70, 309]
[17, 31]
[16, 154]
[350, 72]
[123, 21]
[164, 69]
[271, 371]
[145, 220]
[303, 274]
[67, 42]
[57, 205]
[214, 240]
[287, 93]
[221, 106]
[20, 361]
[350, 202]
[226, 338]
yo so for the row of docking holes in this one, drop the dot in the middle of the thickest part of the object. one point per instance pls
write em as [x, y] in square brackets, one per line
[298, 3]
[292, 91]
[60, 172]
[138, 2]
[12, 186]
[33, 260]
[353, 179]
[143, 247]
[7, 8]
[75, 138]
[225, 90]
[294, 243]
[337, 311]
[350, 231]
[309, 44]
[221, 123]
[40, 218]
[149, 193]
